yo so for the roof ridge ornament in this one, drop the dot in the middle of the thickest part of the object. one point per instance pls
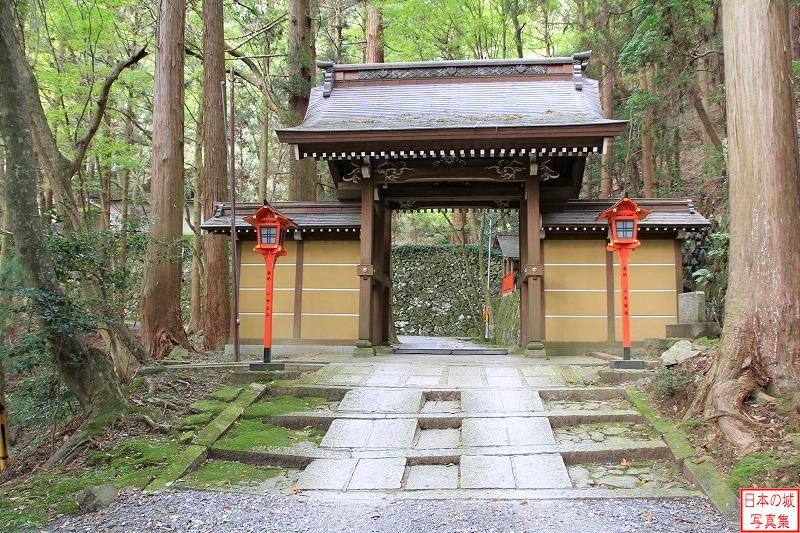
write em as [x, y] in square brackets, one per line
[579, 62]
[327, 86]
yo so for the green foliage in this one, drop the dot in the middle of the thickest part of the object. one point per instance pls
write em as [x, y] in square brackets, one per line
[670, 383]
[763, 469]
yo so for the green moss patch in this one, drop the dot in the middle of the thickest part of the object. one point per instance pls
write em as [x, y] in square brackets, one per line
[764, 469]
[208, 406]
[253, 434]
[227, 394]
[197, 420]
[29, 504]
[282, 405]
[221, 474]
[134, 462]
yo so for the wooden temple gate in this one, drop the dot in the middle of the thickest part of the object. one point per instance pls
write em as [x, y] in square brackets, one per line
[496, 134]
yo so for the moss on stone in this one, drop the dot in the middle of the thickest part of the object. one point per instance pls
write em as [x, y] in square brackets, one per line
[210, 406]
[196, 420]
[215, 429]
[136, 461]
[282, 405]
[188, 459]
[758, 469]
[220, 474]
[253, 434]
[226, 394]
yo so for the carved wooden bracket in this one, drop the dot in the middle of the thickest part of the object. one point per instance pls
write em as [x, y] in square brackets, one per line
[533, 271]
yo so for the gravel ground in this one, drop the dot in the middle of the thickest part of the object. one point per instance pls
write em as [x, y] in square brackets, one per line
[218, 511]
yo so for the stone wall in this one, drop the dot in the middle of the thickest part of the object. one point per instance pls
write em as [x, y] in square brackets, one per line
[434, 294]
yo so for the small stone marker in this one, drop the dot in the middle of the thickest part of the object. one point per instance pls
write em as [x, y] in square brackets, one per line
[691, 307]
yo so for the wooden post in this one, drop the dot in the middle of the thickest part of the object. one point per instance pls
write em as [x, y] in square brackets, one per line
[379, 248]
[611, 324]
[366, 269]
[298, 289]
[522, 282]
[387, 271]
[534, 269]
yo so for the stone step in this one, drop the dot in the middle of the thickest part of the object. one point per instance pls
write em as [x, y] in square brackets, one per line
[449, 351]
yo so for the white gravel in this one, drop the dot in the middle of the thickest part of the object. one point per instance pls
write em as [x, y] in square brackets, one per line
[174, 510]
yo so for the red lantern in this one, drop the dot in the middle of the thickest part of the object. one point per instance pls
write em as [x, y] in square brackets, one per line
[271, 229]
[623, 229]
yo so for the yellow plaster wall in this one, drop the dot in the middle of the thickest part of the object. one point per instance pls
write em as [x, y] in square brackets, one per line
[576, 292]
[330, 297]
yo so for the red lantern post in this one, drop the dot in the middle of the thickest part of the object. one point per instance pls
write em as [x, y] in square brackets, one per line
[623, 228]
[271, 229]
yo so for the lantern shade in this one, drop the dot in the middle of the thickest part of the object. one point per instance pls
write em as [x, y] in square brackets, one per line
[268, 235]
[624, 229]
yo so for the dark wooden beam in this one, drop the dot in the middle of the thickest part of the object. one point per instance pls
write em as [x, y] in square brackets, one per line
[366, 268]
[298, 289]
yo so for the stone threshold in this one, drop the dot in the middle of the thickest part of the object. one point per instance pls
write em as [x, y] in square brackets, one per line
[560, 418]
[337, 392]
[504, 494]
[605, 452]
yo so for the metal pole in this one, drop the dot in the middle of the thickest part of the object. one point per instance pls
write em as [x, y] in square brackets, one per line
[232, 195]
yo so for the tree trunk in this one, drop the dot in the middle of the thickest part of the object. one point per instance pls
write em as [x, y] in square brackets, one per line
[86, 371]
[263, 124]
[124, 215]
[708, 127]
[648, 171]
[794, 30]
[374, 34]
[160, 306]
[196, 315]
[300, 68]
[761, 335]
[606, 102]
[216, 260]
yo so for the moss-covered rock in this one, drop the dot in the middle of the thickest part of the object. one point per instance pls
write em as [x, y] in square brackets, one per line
[220, 474]
[254, 435]
[197, 420]
[282, 405]
[208, 406]
[226, 394]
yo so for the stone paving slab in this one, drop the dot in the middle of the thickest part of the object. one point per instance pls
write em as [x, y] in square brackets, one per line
[541, 471]
[373, 474]
[327, 474]
[382, 401]
[392, 433]
[504, 382]
[422, 381]
[432, 439]
[529, 431]
[460, 377]
[512, 431]
[383, 380]
[422, 477]
[486, 472]
[502, 371]
[347, 433]
[505, 401]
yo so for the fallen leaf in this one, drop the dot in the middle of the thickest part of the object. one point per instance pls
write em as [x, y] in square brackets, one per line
[699, 460]
[626, 463]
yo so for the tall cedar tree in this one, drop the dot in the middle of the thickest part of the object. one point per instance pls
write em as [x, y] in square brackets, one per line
[216, 300]
[86, 371]
[160, 306]
[300, 67]
[761, 336]
[374, 33]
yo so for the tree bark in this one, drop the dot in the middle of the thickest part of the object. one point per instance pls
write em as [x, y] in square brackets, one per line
[216, 257]
[761, 334]
[374, 34]
[300, 68]
[708, 127]
[606, 102]
[160, 306]
[85, 370]
[648, 170]
[196, 314]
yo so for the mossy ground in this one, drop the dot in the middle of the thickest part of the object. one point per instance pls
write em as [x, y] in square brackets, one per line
[30, 503]
[252, 435]
[226, 394]
[209, 406]
[197, 420]
[221, 474]
[764, 469]
[282, 405]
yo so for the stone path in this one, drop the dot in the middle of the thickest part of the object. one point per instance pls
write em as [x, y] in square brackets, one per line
[444, 426]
